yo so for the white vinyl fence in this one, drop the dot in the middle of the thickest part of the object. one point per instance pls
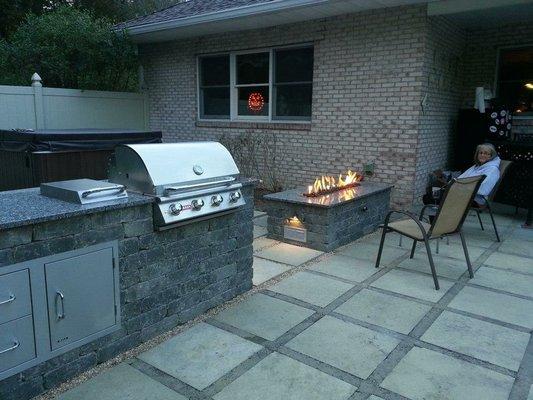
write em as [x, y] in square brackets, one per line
[38, 107]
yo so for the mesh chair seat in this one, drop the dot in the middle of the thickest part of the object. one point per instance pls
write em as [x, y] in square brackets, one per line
[410, 228]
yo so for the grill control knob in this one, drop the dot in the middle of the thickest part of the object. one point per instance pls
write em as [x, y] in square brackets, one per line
[175, 208]
[217, 200]
[235, 196]
[197, 204]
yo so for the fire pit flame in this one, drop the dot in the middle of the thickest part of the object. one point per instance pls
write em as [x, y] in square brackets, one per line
[328, 184]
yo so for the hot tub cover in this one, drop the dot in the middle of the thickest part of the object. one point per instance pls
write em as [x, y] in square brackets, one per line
[59, 140]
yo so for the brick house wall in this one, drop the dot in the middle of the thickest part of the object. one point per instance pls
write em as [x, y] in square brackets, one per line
[366, 94]
[371, 72]
[445, 43]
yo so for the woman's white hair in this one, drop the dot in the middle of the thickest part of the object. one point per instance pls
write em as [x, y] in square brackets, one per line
[485, 146]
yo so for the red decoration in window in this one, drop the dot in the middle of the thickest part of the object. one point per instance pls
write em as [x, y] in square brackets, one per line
[256, 101]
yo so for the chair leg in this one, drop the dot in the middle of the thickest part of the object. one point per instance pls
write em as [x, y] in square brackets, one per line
[431, 264]
[400, 241]
[470, 271]
[381, 246]
[480, 221]
[413, 249]
[493, 222]
[437, 246]
[448, 240]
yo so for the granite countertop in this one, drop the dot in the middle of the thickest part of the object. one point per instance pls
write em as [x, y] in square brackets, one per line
[27, 207]
[339, 197]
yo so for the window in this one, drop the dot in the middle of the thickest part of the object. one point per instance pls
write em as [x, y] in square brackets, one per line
[515, 79]
[261, 85]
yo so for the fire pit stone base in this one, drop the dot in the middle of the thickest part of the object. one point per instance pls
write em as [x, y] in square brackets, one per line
[327, 222]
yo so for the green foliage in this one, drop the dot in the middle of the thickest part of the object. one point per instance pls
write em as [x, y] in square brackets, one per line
[69, 48]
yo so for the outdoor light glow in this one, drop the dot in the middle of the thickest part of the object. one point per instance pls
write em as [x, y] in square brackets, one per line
[294, 221]
[256, 101]
[529, 85]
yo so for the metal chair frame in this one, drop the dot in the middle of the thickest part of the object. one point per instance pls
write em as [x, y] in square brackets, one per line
[427, 235]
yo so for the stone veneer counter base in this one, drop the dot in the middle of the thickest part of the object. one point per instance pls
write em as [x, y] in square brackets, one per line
[329, 221]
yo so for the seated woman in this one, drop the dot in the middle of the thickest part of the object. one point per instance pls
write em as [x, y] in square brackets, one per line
[486, 162]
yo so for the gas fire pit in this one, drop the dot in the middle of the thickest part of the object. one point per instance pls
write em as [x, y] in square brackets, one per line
[330, 213]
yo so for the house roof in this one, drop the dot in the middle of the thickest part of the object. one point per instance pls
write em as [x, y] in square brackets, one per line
[189, 8]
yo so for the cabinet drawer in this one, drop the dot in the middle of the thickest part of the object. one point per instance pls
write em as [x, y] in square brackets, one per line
[17, 344]
[15, 299]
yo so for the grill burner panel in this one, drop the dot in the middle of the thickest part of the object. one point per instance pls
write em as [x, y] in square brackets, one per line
[188, 180]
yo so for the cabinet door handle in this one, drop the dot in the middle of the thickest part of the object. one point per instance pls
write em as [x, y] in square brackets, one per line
[60, 314]
[16, 344]
[11, 298]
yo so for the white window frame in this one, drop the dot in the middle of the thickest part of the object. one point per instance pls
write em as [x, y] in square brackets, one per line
[234, 88]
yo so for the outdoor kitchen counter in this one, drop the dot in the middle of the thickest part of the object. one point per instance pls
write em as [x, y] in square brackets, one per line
[27, 206]
[80, 284]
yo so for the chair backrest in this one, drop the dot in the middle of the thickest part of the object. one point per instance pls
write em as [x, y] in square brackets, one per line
[455, 204]
[504, 167]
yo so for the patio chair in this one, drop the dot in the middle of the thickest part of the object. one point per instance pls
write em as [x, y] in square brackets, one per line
[481, 208]
[449, 219]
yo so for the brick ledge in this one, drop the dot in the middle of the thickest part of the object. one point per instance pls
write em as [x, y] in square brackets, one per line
[255, 125]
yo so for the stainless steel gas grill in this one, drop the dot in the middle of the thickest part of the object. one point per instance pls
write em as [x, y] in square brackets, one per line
[189, 180]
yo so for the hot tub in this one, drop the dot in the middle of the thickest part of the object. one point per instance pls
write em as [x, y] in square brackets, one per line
[29, 158]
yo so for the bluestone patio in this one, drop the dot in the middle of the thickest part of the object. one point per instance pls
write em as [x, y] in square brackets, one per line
[331, 326]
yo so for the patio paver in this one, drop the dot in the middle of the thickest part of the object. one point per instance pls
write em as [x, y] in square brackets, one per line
[517, 247]
[445, 266]
[288, 254]
[504, 280]
[530, 397]
[280, 377]
[200, 355]
[311, 288]
[266, 269]
[349, 347]
[425, 374]
[391, 312]
[259, 231]
[264, 316]
[510, 262]
[369, 251]
[345, 267]
[121, 382]
[412, 284]
[262, 242]
[499, 306]
[483, 340]
[453, 250]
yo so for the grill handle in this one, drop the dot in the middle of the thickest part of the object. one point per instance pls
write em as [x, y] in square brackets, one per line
[90, 192]
[196, 185]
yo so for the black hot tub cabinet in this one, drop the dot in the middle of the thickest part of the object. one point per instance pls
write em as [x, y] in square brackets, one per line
[67, 264]
[29, 158]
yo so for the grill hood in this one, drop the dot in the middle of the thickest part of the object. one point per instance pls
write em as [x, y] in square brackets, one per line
[156, 168]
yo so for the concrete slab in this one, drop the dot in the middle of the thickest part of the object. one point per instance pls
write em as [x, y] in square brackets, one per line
[263, 242]
[345, 267]
[259, 231]
[517, 246]
[471, 238]
[311, 288]
[264, 316]
[374, 398]
[369, 251]
[453, 250]
[504, 280]
[501, 307]
[288, 254]
[523, 234]
[392, 239]
[349, 347]
[510, 262]
[445, 266]
[259, 213]
[424, 374]
[413, 284]
[200, 355]
[485, 341]
[280, 377]
[530, 396]
[394, 313]
[266, 269]
[121, 382]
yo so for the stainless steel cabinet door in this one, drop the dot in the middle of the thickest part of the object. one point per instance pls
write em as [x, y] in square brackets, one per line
[15, 298]
[81, 296]
[16, 342]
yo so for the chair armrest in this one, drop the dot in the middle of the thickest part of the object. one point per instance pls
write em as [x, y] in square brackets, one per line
[408, 214]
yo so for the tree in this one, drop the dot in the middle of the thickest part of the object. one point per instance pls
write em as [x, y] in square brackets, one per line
[69, 48]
